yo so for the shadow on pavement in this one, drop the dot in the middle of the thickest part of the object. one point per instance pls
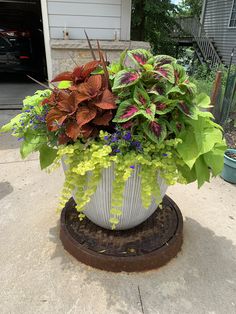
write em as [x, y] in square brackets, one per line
[5, 189]
[202, 278]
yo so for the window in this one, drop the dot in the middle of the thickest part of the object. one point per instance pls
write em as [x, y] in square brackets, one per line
[232, 21]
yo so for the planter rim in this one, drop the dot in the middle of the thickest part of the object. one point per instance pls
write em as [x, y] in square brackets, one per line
[230, 150]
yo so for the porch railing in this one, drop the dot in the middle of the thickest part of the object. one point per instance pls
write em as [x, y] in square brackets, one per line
[191, 26]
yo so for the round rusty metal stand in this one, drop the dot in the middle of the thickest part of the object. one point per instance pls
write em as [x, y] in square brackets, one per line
[147, 246]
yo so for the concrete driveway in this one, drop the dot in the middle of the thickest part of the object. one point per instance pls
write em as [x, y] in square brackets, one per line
[38, 276]
[14, 88]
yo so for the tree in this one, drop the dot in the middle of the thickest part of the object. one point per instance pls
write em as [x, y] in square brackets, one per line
[191, 7]
[153, 21]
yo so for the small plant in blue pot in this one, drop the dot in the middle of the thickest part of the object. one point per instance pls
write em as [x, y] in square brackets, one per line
[229, 170]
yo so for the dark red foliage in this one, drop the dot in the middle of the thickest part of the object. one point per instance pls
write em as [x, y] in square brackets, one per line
[83, 109]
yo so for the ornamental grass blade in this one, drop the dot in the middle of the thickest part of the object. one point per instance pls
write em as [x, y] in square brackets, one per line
[104, 66]
[90, 46]
[36, 81]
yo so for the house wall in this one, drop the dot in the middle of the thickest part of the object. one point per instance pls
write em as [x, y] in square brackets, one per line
[102, 19]
[106, 20]
[215, 22]
[67, 53]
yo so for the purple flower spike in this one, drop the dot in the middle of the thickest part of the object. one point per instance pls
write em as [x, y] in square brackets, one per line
[132, 167]
[106, 138]
[114, 139]
[117, 150]
[20, 139]
[137, 144]
[164, 155]
[127, 136]
[27, 110]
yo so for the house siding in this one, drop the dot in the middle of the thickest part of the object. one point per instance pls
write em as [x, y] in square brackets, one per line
[102, 19]
[216, 22]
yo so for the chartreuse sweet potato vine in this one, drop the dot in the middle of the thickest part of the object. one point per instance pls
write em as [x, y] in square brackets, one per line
[139, 113]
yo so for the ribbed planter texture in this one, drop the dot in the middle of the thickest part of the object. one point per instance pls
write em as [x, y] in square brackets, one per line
[229, 170]
[133, 213]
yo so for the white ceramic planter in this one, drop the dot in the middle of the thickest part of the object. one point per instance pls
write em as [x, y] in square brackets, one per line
[98, 209]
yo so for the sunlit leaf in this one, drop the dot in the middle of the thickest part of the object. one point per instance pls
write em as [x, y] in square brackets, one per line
[202, 100]
[64, 84]
[215, 158]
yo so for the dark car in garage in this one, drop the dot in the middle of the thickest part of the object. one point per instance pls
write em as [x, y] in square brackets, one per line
[15, 50]
[21, 38]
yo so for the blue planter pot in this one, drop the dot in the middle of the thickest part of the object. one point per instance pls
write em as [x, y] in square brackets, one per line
[229, 170]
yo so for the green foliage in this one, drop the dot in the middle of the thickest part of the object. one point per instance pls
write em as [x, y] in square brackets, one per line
[164, 89]
[154, 95]
[29, 127]
[190, 8]
[158, 128]
[153, 21]
[202, 147]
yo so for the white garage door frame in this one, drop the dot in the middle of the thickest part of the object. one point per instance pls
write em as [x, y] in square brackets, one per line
[44, 9]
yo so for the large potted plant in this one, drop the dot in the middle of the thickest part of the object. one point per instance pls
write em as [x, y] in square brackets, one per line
[124, 132]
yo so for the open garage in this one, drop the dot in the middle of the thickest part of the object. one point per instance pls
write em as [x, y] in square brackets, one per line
[22, 49]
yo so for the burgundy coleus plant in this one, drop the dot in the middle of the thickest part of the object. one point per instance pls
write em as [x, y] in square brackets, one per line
[84, 108]
[79, 74]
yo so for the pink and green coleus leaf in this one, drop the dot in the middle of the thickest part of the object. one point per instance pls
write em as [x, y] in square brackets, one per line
[188, 87]
[158, 89]
[141, 96]
[149, 112]
[176, 90]
[163, 105]
[176, 126]
[139, 56]
[188, 109]
[126, 111]
[179, 73]
[155, 130]
[126, 78]
[163, 59]
[165, 71]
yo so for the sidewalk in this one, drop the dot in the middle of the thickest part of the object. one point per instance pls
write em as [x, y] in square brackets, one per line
[38, 276]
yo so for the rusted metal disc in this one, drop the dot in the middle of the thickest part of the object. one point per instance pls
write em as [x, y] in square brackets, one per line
[147, 246]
